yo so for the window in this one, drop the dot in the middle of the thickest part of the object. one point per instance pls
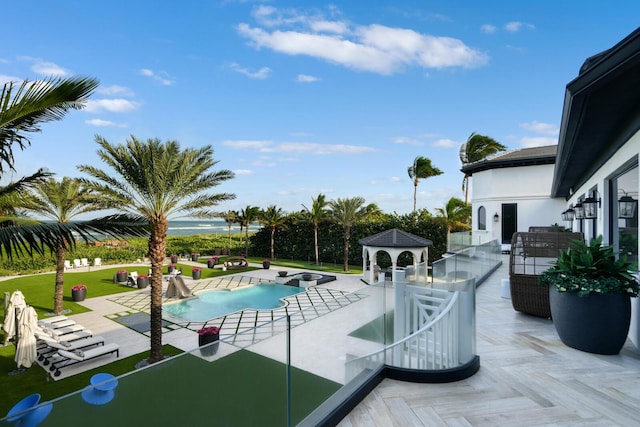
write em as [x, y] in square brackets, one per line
[624, 231]
[482, 218]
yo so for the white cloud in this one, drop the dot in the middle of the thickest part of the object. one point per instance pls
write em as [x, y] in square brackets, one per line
[374, 48]
[243, 172]
[6, 79]
[297, 147]
[105, 123]
[304, 78]
[262, 73]
[406, 140]
[538, 141]
[445, 143]
[515, 26]
[539, 127]
[115, 90]
[160, 76]
[113, 105]
[488, 29]
[45, 68]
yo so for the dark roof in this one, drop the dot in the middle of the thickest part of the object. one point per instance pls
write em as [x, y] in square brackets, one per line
[395, 238]
[601, 112]
[522, 157]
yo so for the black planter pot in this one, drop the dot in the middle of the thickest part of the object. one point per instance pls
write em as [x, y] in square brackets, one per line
[595, 324]
[196, 275]
[170, 269]
[121, 277]
[142, 282]
[194, 258]
[266, 265]
[211, 263]
[206, 346]
[79, 295]
[174, 259]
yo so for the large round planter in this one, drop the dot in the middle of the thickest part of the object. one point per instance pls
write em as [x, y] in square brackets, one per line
[142, 282]
[196, 275]
[595, 323]
[174, 259]
[266, 265]
[79, 295]
[194, 258]
[211, 263]
[204, 340]
[121, 277]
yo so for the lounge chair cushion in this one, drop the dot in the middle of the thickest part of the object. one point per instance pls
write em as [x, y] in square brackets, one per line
[80, 355]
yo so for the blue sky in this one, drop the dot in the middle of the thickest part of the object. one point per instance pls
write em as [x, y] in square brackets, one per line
[302, 98]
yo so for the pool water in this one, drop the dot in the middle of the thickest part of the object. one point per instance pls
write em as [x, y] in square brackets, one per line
[212, 304]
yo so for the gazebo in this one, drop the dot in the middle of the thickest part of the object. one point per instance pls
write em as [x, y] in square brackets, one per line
[394, 242]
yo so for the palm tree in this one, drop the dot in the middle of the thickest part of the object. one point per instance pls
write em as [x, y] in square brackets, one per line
[316, 215]
[456, 214]
[59, 201]
[348, 212]
[476, 148]
[230, 217]
[247, 216]
[421, 169]
[157, 181]
[273, 217]
[23, 109]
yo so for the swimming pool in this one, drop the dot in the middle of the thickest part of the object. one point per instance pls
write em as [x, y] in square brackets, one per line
[217, 303]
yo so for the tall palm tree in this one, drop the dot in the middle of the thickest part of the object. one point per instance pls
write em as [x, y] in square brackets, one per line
[273, 217]
[230, 217]
[23, 108]
[316, 215]
[348, 212]
[456, 214]
[421, 169]
[476, 148]
[248, 215]
[59, 201]
[157, 181]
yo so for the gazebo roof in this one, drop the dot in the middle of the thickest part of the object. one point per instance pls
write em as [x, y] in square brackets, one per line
[395, 238]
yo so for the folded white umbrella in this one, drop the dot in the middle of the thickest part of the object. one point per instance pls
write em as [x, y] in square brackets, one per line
[26, 352]
[9, 326]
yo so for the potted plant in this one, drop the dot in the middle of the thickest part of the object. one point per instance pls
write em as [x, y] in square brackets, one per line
[196, 273]
[589, 295]
[266, 264]
[170, 268]
[206, 336]
[121, 276]
[194, 256]
[211, 262]
[79, 292]
[142, 281]
[282, 273]
[174, 258]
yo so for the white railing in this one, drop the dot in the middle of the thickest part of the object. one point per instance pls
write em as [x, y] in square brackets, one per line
[434, 316]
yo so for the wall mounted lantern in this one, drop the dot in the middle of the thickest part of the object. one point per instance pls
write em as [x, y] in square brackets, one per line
[578, 210]
[591, 205]
[627, 206]
[568, 215]
[496, 217]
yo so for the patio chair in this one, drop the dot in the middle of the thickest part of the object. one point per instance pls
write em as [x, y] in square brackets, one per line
[51, 347]
[67, 264]
[97, 261]
[76, 263]
[132, 279]
[79, 356]
[84, 262]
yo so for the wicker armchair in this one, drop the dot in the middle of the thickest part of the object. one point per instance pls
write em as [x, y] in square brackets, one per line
[531, 254]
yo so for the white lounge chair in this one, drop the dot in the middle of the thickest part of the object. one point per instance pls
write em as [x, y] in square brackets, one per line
[41, 334]
[61, 323]
[76, 263]
[84, 262]
[51, 347]
[132, 279]
[67, 264]
[97, 261]
[78, 356]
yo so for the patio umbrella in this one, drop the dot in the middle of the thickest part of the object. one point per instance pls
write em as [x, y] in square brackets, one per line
[26, 349]
[9, 326]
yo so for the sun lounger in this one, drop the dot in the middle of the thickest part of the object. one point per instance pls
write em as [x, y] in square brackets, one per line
[42, 334]
[57, 332]
[78, 356]
[51, 347]
[62, 323]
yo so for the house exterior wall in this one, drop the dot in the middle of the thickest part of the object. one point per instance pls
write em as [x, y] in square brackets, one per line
[623, 157]
[529, 187]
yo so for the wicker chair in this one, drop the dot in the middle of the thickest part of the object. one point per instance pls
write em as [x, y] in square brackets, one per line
[531, 254]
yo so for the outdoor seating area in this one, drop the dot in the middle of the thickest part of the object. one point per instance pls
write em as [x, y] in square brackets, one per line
[236, 263]
[531, 254]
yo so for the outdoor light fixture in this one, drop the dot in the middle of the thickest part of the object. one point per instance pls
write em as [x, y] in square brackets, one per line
[627, 206]
[578, 210]
[591, 205]
[496, 217]
[568, 215]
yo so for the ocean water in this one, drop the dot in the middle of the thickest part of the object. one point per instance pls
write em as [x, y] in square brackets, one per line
[214, 226]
